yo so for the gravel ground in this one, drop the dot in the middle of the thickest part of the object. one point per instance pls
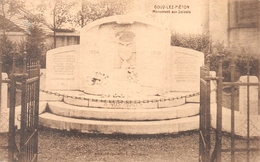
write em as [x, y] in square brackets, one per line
[65, 146]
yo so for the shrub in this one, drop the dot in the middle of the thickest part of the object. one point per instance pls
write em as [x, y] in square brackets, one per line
[196, 42]
[7, 46]
[33, 44]
[204, 44]
[35, 41]
[241, 58]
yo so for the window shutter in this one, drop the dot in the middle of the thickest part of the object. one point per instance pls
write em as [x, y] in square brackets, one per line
[247, 13]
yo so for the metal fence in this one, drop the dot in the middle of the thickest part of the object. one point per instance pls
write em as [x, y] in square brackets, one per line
[4, 119]
[19, 122]
[4, 129]
[205, 121]
[236, 136]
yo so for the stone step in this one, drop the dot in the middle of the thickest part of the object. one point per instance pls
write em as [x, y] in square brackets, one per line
[125, 104]
[119, 127]
[66, 110]
[79, 98]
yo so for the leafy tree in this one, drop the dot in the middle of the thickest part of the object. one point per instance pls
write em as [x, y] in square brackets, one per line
[92, 11]
[35, 41]
[63, 12]
[33, 44]
[60, 11]
[8, 8]
[7, 46]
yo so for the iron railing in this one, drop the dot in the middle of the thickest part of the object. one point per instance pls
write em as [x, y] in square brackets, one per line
[230, 146]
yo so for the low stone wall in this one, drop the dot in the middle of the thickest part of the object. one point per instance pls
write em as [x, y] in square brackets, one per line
[240, 122]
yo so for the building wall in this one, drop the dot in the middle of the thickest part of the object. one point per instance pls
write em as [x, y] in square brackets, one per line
[63, 39]
[16, 36]
[216, 17]
[244, 34]
[222, 19]
[218, 20]
[247, 38]
[67, 40]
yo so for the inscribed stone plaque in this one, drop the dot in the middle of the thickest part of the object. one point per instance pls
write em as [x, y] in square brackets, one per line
[185, 69]
[61, 69]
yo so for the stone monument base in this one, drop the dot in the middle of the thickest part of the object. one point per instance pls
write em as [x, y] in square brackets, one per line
[76, 110]
[120, 83]
[129, 90]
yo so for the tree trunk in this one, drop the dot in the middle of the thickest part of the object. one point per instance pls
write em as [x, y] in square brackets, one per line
[4, 25]
[54, 25]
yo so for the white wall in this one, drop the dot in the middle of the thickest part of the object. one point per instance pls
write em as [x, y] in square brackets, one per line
[187, 23]
[221, 18]
[218, 20]
[15, 36]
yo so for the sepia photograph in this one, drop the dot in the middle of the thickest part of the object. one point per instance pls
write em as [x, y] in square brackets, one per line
[129, 80]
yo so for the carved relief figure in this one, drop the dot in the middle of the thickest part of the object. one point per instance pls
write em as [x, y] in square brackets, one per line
[126, 49]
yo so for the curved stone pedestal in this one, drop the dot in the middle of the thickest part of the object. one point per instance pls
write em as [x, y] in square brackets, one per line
[94, 114]
[119, 127]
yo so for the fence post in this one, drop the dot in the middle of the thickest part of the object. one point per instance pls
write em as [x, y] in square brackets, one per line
[248, 109]
[11, 138]
[37, 107]
[232, 109]
[207, 112]
[219, 109]
[23, 111]
[1, 63]
[205, 123]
